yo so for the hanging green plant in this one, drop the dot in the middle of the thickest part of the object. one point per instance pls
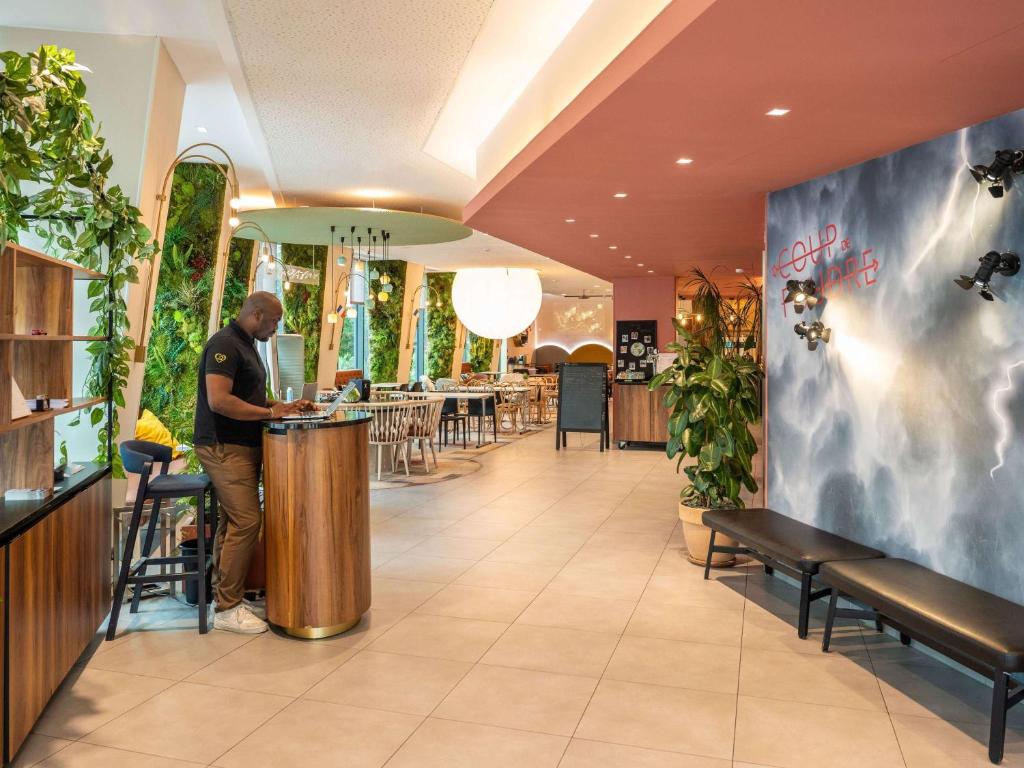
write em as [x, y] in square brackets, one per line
[236, 279]
[440, 325]
[53, 170]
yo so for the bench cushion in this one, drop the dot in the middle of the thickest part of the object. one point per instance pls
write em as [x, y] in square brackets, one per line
[798, 545]
[961, 617]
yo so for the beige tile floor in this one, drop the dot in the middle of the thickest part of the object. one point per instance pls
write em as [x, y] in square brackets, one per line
[539, 612]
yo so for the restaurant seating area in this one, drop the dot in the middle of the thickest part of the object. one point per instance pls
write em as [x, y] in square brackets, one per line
[503, 384]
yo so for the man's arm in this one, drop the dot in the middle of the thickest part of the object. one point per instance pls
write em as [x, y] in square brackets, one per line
[221, 401]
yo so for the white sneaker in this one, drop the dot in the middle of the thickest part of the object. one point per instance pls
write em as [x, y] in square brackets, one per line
[240, 620]
[257, 609]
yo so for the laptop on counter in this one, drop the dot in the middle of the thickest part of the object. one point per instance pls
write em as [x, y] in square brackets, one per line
[317, 414]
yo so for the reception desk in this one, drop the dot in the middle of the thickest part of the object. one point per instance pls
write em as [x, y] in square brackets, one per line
[639, 415]
[317, 523]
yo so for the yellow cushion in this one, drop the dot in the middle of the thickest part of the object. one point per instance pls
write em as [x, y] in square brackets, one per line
[150, 428]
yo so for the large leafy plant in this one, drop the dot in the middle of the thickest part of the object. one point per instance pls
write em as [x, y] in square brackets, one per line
[303, 304]
[481, 351]
[713, 397]
[53, 172]
[386, 323]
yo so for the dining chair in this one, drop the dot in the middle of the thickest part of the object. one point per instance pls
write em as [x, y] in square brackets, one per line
[424, 422]
[390, 429]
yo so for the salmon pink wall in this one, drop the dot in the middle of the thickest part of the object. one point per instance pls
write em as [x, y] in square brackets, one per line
[647, 298]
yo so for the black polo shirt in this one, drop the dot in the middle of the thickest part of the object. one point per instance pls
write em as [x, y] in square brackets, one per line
[231, 352]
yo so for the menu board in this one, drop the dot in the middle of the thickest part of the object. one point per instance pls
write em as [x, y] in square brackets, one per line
[636, 349]
[582, 401]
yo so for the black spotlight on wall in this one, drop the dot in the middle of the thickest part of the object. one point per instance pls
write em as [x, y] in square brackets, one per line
[813, 333]
[801, 293]
[993, 262]
[999, 174]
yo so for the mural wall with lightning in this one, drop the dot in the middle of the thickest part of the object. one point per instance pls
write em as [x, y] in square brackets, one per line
[906, 429]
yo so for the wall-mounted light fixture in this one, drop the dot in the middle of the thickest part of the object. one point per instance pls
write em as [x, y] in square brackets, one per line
[432, 294]
[993, 262]
[801, 294]
[813, 333]
[999, 173]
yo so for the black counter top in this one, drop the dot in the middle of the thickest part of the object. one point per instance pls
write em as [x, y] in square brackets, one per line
[16, 517]
[340, 418]
[634, 383]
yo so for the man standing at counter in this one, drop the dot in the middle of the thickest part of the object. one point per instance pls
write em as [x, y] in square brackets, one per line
[231, 404]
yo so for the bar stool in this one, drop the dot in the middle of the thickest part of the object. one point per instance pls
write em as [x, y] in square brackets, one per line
[138, 457]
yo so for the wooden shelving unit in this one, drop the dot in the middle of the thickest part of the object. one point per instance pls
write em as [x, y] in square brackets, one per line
[36, 292]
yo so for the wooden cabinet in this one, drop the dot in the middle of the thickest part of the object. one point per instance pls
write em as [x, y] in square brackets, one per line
[639, 415]
[57, 592]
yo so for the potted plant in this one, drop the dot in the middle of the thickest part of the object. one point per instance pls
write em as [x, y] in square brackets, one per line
[713, 396]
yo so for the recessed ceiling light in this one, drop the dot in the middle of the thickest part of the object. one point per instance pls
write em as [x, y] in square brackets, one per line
[619, 194]
[777, 112]
[613, 247]
[627, 256]
[201, 128]
[684, 161]
[592, 234]
[739, 270]
[651, 271]
[570, 221]
[639, 265]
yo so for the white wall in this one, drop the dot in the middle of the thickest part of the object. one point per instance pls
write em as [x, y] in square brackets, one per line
[570, 323]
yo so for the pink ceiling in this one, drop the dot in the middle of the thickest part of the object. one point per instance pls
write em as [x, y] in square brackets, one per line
[862, 79]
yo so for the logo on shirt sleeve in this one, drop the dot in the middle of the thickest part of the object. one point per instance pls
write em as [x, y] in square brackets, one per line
[220, 357]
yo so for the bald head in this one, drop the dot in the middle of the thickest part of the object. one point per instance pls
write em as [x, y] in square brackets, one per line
[260, 315]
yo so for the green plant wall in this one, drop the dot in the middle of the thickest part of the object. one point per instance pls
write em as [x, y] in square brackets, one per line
[303, 304]
[480, 352]
[236, 279]
[440, 325]
[385, 319]
[181, 310]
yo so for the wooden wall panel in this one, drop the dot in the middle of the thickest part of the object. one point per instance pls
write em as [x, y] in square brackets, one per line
[43, 368]
[59, 593]
[33, 447]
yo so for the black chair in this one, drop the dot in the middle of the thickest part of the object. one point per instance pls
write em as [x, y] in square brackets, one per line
[138, 457]
[480, 410]
[417, 386]
[450, 416]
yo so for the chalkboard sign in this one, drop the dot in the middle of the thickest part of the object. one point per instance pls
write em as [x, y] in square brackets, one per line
[582, 401]
[636, 349]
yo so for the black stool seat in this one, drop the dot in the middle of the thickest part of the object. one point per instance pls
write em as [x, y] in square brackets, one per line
[956, 615]
[177, 485]
[798, 545]
[138, 457]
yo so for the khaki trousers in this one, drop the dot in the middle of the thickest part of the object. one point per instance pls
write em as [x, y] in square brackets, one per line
[234, 471]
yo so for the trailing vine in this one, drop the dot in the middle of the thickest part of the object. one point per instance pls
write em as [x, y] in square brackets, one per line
[440, 326]
[53, 172]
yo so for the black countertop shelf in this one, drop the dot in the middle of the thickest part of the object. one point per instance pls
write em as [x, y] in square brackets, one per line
[340, 418]
[16, 517]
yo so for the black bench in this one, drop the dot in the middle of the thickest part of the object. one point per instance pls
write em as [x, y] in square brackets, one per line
[795, 548]
[980, 630]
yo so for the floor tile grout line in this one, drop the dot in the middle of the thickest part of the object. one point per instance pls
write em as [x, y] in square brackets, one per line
[885, 703]
[618, 642]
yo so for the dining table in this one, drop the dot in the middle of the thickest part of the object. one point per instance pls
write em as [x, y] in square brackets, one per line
[466, 393]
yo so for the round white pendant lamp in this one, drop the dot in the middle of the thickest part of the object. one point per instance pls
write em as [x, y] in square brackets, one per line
[496, 302]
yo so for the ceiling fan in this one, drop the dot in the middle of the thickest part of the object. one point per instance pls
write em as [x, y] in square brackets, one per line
[586, 295]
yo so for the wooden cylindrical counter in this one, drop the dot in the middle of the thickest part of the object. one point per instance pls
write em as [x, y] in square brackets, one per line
[317, 523]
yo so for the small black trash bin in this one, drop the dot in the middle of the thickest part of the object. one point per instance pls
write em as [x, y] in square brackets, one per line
[189, 547]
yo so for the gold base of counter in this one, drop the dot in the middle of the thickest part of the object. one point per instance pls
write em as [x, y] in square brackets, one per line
[318, 633]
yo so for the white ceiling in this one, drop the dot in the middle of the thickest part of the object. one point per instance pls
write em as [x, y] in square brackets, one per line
[347, 92]
[334, 101]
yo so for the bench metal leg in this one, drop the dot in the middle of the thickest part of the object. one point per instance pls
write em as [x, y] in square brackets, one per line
[997, 728]
[904, 638]
[805, 604]
[829, 620]
[768, 570]
[711, 551]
